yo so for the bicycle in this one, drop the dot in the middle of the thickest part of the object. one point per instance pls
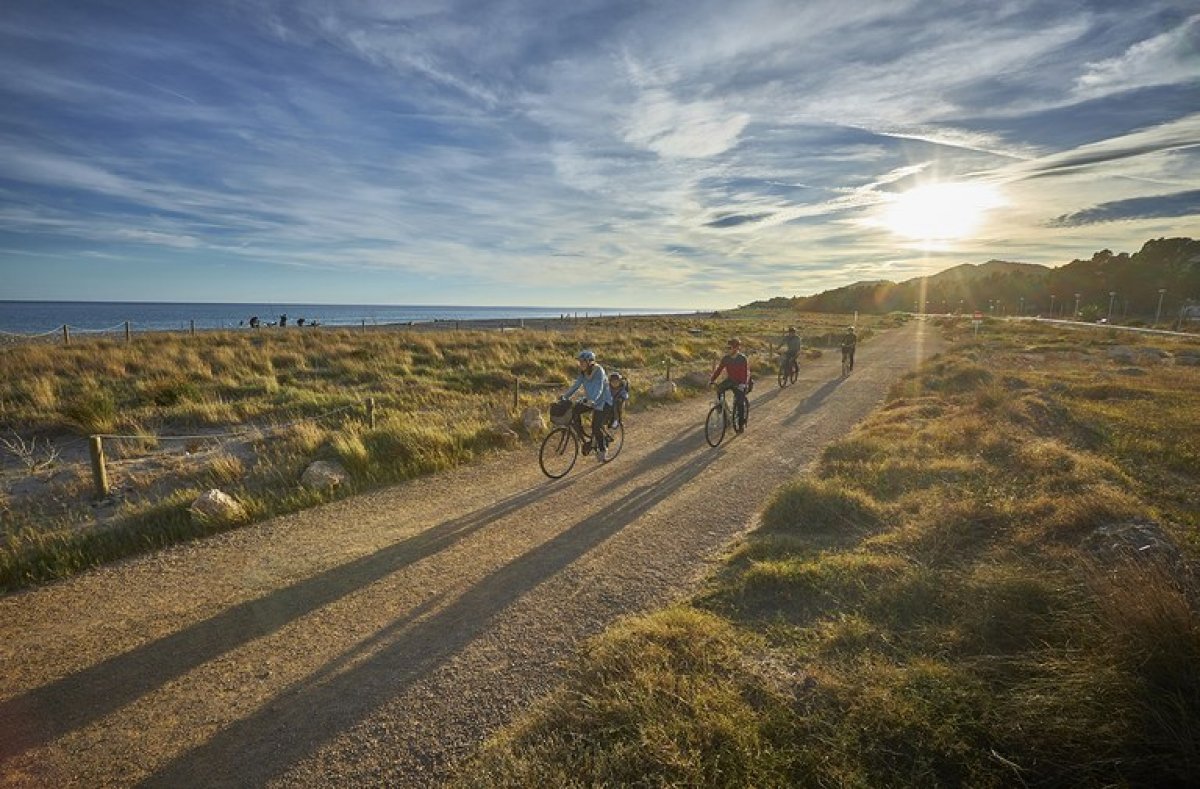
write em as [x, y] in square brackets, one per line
[721, 416]
[788, 374]
[847, 361]
[561, 446]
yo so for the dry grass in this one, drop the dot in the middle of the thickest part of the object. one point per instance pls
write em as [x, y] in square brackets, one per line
[939, 600]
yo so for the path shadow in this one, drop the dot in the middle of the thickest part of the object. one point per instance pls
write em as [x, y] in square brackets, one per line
[41, 716]
[262, 746]
[813, 401]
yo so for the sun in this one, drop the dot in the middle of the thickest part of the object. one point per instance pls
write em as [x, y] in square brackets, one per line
[940, 211]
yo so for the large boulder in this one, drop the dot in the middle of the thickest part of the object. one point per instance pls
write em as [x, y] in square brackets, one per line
[534, 421]
[663, 389]
[697, 378]
[216, 506]
[324, 475]
[1132, 354]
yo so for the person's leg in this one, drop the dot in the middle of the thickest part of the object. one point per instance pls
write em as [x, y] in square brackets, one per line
[577, 413]
[598, 429]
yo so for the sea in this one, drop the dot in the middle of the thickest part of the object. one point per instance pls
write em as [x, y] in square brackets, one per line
[45, 317]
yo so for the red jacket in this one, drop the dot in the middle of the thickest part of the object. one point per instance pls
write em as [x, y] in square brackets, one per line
[736, 366]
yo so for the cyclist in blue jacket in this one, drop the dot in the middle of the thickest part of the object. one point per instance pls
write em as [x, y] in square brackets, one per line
[597, 399]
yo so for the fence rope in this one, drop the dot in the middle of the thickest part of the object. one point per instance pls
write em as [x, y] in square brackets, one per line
[96, 331]
[238, 434]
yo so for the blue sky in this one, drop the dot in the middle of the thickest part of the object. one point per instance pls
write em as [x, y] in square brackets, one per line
[674, 154]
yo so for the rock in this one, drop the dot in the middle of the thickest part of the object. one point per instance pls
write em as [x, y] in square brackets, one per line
[503, 434]
[663, 389]
[324, 474]
[1132, 540]
[1188, 358]
[697, 378]
[1131, 371]
[534, 421]
[215, 506]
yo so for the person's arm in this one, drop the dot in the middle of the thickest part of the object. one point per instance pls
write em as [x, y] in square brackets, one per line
[574, 387]
[717, 372]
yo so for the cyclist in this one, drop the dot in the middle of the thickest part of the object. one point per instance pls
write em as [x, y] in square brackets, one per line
[791, 348]
[597, 399]
[849, 343]
[737, 371]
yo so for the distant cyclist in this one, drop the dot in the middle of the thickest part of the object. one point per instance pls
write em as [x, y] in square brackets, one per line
[849, 343]
[791, 347]
[737, 370]
[597, 399]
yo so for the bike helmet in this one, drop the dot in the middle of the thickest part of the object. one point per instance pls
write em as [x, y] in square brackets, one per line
[586, 356]
[615, 376]
[791, 330]
[735, 342]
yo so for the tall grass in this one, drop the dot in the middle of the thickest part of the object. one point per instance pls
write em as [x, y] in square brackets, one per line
[931, 606]
[442, 398]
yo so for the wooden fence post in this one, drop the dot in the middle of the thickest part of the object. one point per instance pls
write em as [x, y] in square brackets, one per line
[66, 335]
[99, 472]
[192, 327]
[127, 334]
[668, 368]
[371, 412]
[516, 390]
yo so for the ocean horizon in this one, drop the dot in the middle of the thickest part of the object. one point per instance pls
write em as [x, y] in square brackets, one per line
[43, 317]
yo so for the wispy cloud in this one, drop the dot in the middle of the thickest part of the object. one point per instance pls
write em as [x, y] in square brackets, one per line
[1153, 206]
[1164, 59]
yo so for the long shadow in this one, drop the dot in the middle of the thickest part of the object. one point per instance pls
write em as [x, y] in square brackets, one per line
[41, 716]
[813, 401]
[253, 750]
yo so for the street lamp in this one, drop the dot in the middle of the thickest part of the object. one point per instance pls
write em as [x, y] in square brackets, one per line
[1076, 313]
[1112, 297]
[1158, 312]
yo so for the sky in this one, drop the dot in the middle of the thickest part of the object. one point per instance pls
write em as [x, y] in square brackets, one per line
[693, 154]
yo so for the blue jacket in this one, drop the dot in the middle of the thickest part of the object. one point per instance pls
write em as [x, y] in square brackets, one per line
[595, 386]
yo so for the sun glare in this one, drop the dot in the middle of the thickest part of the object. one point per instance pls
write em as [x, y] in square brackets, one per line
[940, 212]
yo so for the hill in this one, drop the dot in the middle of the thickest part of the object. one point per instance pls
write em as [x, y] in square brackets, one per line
[1004, 287]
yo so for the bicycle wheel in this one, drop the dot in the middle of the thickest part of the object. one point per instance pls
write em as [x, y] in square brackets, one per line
[616, 440]
[714, 426]
[845, 365]
[741, 410]
[795, 374]
[558, 453]
[783, 376]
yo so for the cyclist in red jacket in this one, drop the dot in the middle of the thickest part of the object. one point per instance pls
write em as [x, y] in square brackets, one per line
[737, 370]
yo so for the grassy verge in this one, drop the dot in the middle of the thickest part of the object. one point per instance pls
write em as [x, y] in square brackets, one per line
[442, 399]
[989, 583]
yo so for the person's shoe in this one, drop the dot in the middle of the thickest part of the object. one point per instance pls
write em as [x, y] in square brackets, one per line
[587, 447]
[615, 424]
[602, 455]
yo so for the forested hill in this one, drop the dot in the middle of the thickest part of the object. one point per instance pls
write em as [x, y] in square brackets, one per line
[1010, 288]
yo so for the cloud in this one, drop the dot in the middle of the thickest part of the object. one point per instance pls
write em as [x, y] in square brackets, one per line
[682, 130]
[1151, 207]
[1167, 58]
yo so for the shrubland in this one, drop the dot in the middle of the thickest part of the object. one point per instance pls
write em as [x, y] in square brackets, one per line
[991, 582]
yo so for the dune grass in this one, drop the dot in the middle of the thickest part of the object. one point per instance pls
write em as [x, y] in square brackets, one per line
[946, 600]
[442, 398]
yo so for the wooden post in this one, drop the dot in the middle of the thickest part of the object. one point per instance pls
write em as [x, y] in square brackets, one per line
[668, 368]
[457, 325]
[371, 412]
[99, 472]
[66, 335]
[128, 336]
[364, 324]
[516, 390]
[192, 327]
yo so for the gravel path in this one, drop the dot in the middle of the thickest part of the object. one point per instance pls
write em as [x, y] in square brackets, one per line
[377, 640]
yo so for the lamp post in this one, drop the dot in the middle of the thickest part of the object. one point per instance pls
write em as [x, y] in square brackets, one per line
[1052, 305]
[1158, 312]
[1075, 315]
[1112, 298]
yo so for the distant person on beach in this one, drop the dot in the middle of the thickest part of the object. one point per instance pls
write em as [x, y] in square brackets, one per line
[618, 387]
[283, 320]
[254, 322]
[597, 399]
[300, 322]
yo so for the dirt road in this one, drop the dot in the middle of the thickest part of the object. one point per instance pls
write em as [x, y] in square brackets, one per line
[377, 640]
